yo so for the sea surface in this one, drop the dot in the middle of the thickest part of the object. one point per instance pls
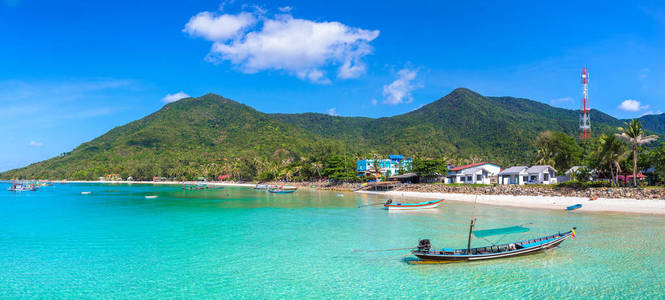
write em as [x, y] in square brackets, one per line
[241, 243]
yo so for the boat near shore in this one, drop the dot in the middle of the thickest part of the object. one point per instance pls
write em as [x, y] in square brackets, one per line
[411, 206]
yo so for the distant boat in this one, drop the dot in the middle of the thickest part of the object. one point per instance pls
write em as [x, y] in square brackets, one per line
[85, 193]
[21, 187]
[261, 187]
[410, 206]
[151, 197]
[340, 195]
[574, 207]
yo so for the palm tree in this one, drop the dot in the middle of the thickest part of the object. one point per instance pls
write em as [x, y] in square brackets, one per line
[612, 151]
[544, 156]
[317, 166]
[634, 134]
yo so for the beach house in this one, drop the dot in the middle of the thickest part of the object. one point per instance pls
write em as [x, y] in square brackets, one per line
[478, 173]
[514, 175]
[542, 174]
[391, 166]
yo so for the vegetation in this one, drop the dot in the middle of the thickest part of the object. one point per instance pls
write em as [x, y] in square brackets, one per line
[634, 134]
[558, 150]
[211, 136]
[429, 167]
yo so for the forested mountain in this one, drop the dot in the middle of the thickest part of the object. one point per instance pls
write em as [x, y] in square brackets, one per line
[212, 135]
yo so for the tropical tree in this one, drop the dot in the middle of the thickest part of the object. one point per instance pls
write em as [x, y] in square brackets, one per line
[558, 149]
[634, 134]
[612, 151]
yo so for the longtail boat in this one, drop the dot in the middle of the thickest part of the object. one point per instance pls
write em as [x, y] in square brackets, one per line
[409, 206]
[425, 251]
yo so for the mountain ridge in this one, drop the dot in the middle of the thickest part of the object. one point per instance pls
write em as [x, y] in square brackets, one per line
[213, 135]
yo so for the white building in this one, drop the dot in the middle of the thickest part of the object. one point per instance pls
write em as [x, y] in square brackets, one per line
[480, 173]
[514, 175]
[543, 174]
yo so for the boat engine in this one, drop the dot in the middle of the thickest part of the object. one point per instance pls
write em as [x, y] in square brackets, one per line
[389, 201]
[424, 245]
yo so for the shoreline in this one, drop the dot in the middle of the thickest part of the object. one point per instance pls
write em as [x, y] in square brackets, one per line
[604, 205]
[601, 205]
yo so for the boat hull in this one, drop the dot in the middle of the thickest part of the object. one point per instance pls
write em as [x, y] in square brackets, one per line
[409, 206]
[282, 192]
[555, 241]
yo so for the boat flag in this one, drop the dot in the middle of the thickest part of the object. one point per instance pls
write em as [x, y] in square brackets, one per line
[573, 231]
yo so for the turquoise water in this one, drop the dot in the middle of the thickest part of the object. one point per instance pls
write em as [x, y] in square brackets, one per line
[240, 243]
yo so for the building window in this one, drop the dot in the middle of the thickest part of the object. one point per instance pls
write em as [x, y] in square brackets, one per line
[463, 179]
[547, 177]
[479, 177]
[470, 178]
[533, 178]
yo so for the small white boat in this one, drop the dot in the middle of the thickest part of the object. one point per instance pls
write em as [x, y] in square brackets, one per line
[151, 197]
[85, 193]
[406, 206]
[340, 195]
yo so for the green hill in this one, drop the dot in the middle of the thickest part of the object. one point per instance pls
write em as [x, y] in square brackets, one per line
[212, 135]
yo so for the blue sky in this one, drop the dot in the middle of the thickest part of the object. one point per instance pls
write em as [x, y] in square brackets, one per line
[72, 70]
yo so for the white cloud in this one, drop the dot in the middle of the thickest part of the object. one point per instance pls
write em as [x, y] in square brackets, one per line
[35, 144]
[562, 100]
[300, 47]
[632, 105]
[333, 112]
[651, 112]
[219, 28]
[285, 9]
[399, 91]
[174, 97]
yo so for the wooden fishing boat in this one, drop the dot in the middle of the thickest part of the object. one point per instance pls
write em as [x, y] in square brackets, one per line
[261, 187]
[574, 207]
[409, 206]
[425, 251]
[279, 191]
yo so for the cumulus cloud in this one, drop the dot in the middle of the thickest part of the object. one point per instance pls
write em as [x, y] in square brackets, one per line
[35, 144]
[632, 105]
[218, 28]
[333, 112]
[300, 47]
[399, 91]
[174, 97]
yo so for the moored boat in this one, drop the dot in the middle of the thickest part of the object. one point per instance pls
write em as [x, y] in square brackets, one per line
[425, 251]
[409, 206]
[278, 191]
[574, 207]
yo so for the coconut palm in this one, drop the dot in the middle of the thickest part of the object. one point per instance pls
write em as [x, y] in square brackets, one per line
[634, 134]
[612, 151]
[545, 156]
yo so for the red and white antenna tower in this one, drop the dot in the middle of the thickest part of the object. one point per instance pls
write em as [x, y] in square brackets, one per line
[585, 120]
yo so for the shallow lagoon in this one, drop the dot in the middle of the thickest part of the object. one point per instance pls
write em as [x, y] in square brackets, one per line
[241, 243]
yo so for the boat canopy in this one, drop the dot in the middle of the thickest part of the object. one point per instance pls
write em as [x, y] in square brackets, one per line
[497, 231]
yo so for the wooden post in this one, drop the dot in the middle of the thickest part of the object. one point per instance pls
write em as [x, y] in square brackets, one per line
[468, 245]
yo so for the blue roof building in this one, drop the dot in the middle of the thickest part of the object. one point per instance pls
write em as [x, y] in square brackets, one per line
[390, 166]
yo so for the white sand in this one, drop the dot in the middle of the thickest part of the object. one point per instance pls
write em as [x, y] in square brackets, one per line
[546, 202]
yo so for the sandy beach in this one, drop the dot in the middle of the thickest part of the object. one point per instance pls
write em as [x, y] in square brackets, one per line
[656, 207]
